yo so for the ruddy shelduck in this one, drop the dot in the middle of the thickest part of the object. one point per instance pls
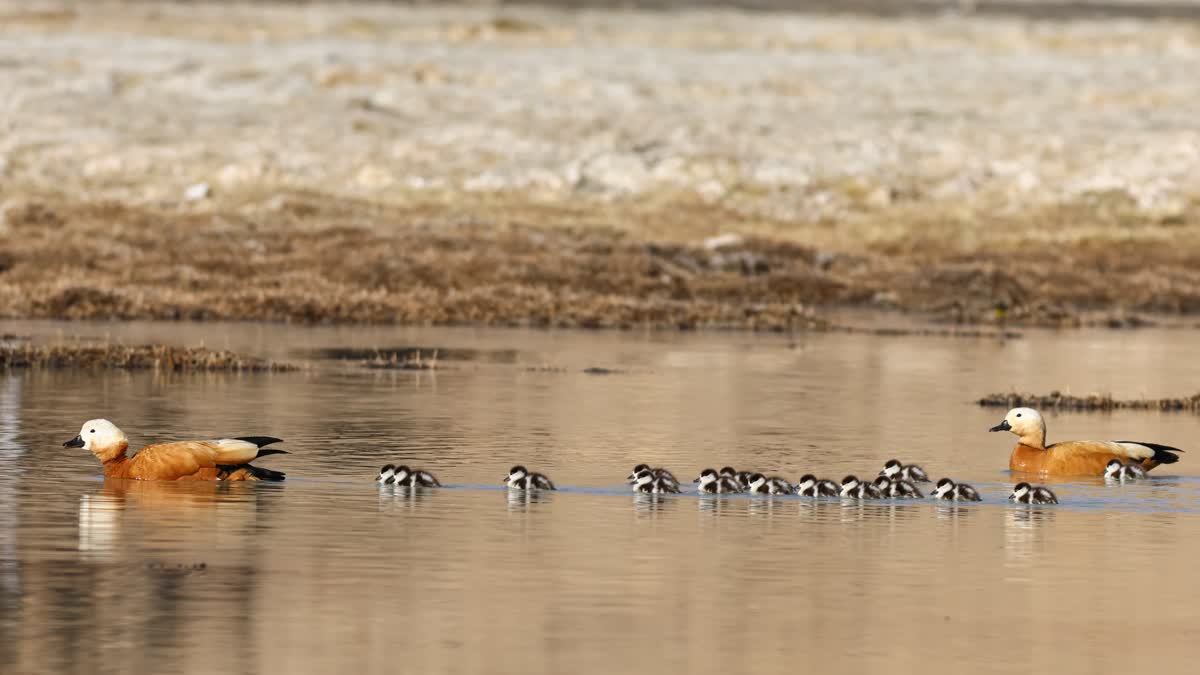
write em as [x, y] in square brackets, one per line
[221, 459]
[1073, 458]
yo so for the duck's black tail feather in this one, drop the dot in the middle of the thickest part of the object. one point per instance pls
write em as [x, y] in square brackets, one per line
[1163, 454]
[271, 451]
[261, 441]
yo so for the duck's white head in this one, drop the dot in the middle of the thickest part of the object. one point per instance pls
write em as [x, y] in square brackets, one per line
[944, 487]
[1113, 468]
[757, 480]
[515, 474]
[101, 438]
[386, 473]
[1019, 491]
[707, 476]
[636, 470]
[1026, 423]
[807, 482]
[849, 483]
[892, 468]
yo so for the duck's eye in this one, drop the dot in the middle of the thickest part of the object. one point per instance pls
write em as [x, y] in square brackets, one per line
[1018, 414]
[92, 431]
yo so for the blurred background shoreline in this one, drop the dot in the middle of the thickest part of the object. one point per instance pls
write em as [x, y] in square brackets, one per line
[531, 165]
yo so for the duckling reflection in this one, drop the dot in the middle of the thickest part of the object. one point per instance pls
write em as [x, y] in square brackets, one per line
[650, 502]
[712, 504]
[393, 497]
[522, 500]
[950, 510]
[1024, 535]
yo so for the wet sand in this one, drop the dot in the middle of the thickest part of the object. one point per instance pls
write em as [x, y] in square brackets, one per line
[526, 166]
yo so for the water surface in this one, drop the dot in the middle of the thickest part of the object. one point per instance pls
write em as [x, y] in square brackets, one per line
[329, 573]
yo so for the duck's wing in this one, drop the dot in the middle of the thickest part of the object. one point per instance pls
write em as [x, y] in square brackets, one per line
[168, 461]
[1087, 453]
[1163, 454]
[171, 461]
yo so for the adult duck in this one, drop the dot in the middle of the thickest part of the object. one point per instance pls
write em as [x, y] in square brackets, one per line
[1073, 458]
[221, 459]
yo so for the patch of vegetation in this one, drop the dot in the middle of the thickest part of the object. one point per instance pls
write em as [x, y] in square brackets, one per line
[141, 357]
[1061, 401]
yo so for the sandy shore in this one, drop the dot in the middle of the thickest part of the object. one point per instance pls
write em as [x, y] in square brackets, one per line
[538, 166]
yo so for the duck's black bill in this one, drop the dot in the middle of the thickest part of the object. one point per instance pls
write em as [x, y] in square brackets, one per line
[1003, 426]
[76, 442]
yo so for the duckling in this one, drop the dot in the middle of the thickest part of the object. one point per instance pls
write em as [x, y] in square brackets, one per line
[519, 478]
[853, 488]
[649, 483]
[666, 478]
[658, 472]
[1024, 493]
[897, 488]
[1118, 472]
[713, 483]
[807, 487]
[956, 492]
[828, 488]
[407, 477]
[780, 486]
[739, 478]
[758, 485]
[911, 472]
[386, 474]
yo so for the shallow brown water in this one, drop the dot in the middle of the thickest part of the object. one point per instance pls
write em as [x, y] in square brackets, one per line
[329, 573]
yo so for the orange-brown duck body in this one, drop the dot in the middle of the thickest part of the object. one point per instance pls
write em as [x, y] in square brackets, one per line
[1073, 458]
[225, 459]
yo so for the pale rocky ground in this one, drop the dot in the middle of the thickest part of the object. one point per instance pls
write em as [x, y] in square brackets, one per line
[924, 136]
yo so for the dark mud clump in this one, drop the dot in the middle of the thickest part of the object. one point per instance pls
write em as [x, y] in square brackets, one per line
[1061, 401]
[143, 357]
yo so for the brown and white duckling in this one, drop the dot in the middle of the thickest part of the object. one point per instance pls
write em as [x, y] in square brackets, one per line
[780, 485]
[645, 481]
[715, 484]
[658, 472]
[519, 478]
[897, 488]
[1024, 493]
[761, 485]
[955, 492]
[853, 488]
[386, 474]
[911, 472]
[807, 487]
[739, 478]
[1118, 472]
[407, 477]
[810, 486]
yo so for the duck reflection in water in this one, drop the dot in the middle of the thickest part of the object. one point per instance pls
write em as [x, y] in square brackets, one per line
[115, 516]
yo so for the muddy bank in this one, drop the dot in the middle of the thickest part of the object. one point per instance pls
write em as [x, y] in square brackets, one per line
[140, 357]
[520, 166]
[1058, 400]
[312, 263]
